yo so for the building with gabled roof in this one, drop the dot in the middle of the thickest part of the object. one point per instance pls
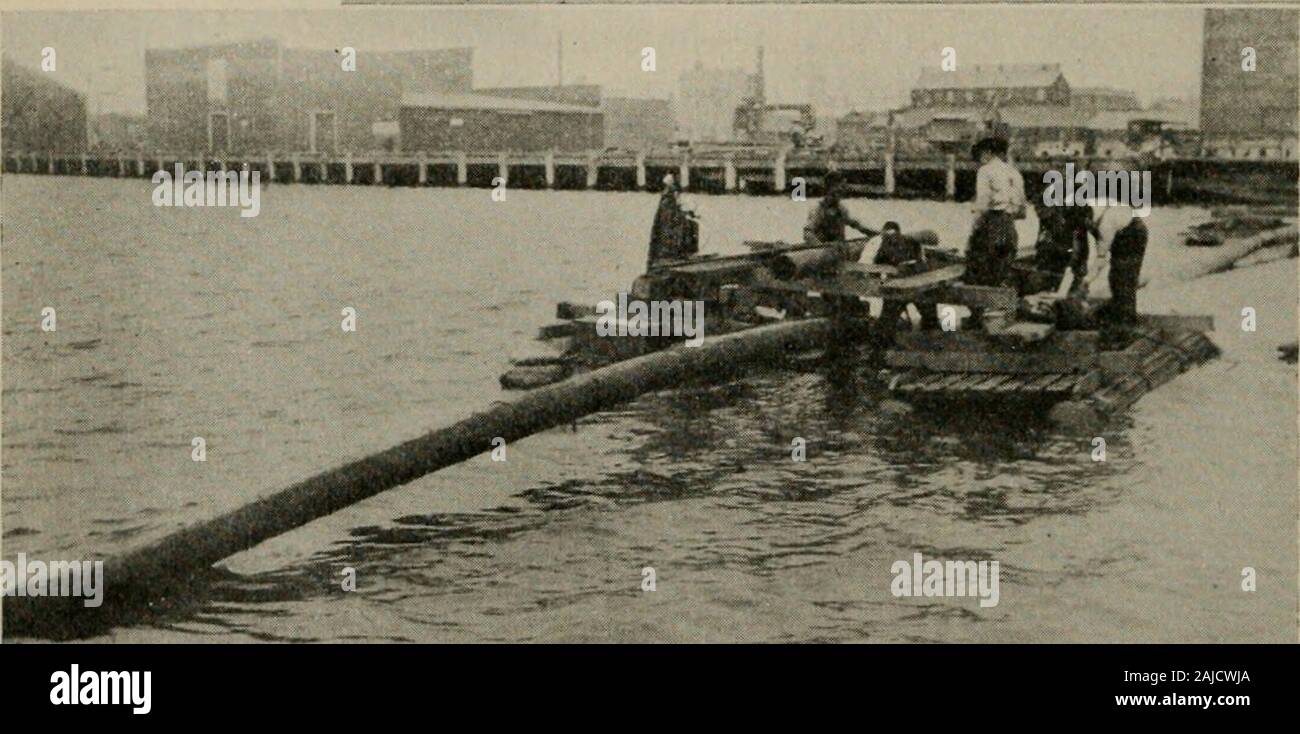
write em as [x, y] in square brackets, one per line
[991, 83]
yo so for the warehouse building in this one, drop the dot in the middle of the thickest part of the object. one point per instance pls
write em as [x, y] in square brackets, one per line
[40, 114]
[631, 123]
[261, 96]
[482, 123]
[1010, 84]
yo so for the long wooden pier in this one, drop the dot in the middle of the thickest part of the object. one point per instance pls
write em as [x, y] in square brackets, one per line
[751, 171]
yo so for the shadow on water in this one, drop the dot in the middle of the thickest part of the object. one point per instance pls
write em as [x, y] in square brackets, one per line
[729, 446]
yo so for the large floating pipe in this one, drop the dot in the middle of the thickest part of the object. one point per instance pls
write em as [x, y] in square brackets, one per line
[187, 554]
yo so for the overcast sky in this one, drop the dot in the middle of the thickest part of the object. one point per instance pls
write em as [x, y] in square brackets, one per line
[862, 56]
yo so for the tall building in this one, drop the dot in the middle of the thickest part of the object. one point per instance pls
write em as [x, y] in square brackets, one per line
[40, 114]
[1250, 113]
[261, 96]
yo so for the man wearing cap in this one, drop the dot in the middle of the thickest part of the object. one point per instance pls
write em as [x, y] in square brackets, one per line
[827, 222]
[999, 202]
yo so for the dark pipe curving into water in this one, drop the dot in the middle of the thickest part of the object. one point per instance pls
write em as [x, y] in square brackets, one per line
[180, 562]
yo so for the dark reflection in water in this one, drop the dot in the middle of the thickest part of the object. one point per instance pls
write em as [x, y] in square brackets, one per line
[719, 461]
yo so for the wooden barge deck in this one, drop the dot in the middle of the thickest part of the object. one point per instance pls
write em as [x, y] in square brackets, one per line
[1084, 374]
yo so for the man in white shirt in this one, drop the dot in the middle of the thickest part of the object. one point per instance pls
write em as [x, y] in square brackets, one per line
[1120, 246]
[999, 202]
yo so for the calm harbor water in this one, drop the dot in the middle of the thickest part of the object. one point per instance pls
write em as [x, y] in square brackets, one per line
[175, 323]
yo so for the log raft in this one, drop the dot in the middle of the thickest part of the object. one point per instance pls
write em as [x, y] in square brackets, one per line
[1085, 384]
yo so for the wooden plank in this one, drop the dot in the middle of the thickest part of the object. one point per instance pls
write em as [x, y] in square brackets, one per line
[1060, 342]
[570, 310]
[1076, 342]
[927, 383]
[979, 296]
[1177, 322]
[843, 285]
[1043, 382]
[951, 381]
[557, 330]
[1114, 365]
[937, 382]
[910, 286]
[916, 383]
[936, 341]
[1012, 384]
[992, 382]
[1023, 333]
[1062, 383]
[870, 269]
[1004, 362]
[968, 382]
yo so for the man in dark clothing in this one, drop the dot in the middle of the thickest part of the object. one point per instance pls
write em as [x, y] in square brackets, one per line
[898, 250]
[908, 256]
[1127, 250]
[827, 222]
[675, 232]
[1062, 244]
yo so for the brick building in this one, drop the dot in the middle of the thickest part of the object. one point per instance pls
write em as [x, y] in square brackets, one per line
[261, 96]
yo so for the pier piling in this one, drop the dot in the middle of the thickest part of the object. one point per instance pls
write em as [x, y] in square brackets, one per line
[950, 178]
[889, 173]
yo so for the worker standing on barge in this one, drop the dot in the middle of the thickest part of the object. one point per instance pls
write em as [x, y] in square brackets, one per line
[1120, 246]
[675, 234]
[1061, 246]
[999, 202]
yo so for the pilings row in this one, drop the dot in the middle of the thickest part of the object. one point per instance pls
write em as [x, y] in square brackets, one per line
[727, 172]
